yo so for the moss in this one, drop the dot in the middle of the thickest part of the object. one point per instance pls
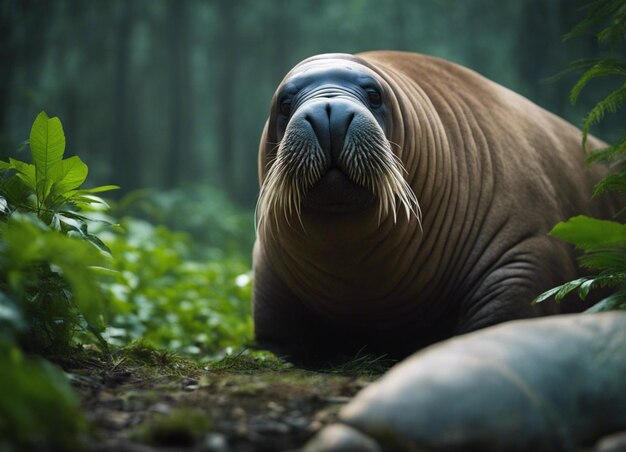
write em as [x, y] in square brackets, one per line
[183, 427]
[247, 361]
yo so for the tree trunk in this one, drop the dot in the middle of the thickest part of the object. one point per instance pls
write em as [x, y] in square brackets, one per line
[125, 159]
[179, 155]
[227, 67]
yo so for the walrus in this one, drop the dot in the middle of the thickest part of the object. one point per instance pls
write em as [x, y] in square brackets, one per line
[406, 199]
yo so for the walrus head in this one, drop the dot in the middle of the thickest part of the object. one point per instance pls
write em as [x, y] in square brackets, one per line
[331, 155]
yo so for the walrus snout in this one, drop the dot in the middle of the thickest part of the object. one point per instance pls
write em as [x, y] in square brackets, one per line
[330, 119]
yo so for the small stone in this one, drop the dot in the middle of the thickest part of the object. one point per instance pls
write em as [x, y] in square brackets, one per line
[612, 443]
[215, 442]
[162, 408]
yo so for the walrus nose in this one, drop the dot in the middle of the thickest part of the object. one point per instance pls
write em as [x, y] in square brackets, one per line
[330, 120]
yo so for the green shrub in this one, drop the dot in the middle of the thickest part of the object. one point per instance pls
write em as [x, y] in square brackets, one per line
[602, 242]
[165, 296]
[49, 260]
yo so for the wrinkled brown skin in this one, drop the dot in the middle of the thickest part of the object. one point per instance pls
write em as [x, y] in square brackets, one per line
[493, 173]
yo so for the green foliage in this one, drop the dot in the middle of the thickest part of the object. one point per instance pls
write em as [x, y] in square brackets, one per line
[603, 242]
[165, 296]
[50, 186]
[49, 278]
[607, 20]
[49, 260]
[610, 104]
[590, 234]
[38, 409]
[215, 224]
[609, 16]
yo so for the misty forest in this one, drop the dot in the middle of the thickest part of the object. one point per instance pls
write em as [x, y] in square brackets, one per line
[129, 141]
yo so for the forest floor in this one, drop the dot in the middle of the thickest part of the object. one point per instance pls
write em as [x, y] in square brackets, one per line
[160, 402]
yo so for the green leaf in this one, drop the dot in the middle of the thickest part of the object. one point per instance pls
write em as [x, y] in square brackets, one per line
[613, 302]
[22, 146]
[39, 410]
[612, 182]
[598, 12]
[47, 145]
[89, 200]
[15, 191]
[78, 216]
[609, 259]
[72, 174]
[588, 233]
[610, 104]
[4, 166]
[96, 189]
[10, 315]
[602, 68]
[545, 295]
[568, 287]
[583, 291]
[614, 153]
[80, 228]
[26, 172]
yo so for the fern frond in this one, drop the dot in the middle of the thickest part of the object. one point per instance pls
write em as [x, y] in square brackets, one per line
[575, 66]
[612, 154]
[610, 303]
[612, 182]
[609, 261]
[599, 11]
[611, 103]
[602, 68]
[616, 31]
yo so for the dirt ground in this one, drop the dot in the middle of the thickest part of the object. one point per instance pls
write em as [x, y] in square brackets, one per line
[132, 408]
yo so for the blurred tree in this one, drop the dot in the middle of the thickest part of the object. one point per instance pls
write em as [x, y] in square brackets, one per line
[227, 67]
[7, 56]
[126, 162]
[178, 153]
[166, 93]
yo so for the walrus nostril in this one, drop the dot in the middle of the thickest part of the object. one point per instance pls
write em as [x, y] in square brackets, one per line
[329, 119]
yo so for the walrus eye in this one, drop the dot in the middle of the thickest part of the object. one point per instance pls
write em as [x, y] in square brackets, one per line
[374, 97]
[285, 107]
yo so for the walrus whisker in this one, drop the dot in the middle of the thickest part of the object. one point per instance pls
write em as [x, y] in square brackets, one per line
[295, 168]
[370, 161]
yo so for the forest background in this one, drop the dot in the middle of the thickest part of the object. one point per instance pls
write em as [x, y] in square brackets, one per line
[174, 94]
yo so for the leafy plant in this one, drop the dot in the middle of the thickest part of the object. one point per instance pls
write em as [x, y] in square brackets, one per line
[38, 408]
[602, 242]
[49, 260]
[163, 294]
[50, 186]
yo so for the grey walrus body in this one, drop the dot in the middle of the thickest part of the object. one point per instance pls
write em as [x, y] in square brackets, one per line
[404, 200]
[553, 384]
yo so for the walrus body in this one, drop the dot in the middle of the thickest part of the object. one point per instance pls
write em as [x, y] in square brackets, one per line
[351, 255]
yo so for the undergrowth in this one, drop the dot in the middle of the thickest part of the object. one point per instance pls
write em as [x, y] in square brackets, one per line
[603, 243]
